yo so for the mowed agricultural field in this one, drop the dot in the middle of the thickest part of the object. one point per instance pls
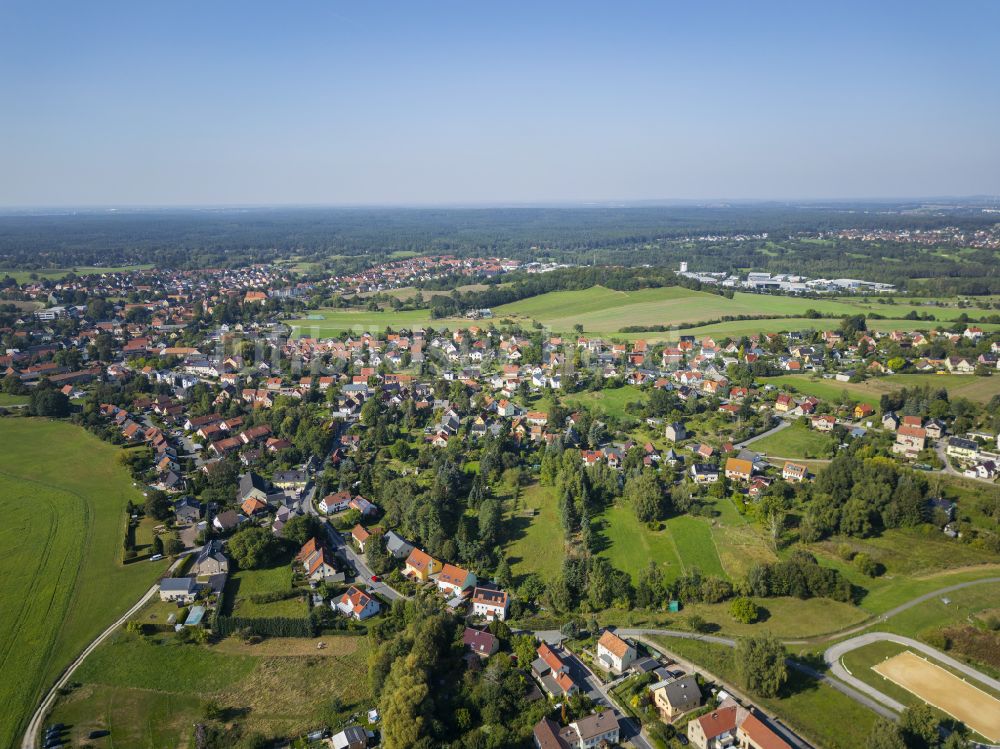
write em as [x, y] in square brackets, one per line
[150, 693]
[603, 311]
[54, 274]
[63, 496]
[980, 389]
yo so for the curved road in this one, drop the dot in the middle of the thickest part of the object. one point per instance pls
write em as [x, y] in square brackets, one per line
[851, 689]
[31, 735]
[834, 653]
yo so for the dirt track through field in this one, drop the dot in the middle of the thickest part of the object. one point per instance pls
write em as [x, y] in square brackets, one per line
[945, 691]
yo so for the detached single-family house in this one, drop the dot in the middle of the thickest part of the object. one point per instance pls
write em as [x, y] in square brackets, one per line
[420, 565]
[714, 730]
[352, 737]
[212, 560]
[676, 696]
[704, 473]
[962, 448]
[455, 580]
[480, 642]
[336, 502]
[599, 729]
[614, 653]
[490, 604]
[356, 604]
[675, 432]
[794, 472]
[178, 589]
[739, 469]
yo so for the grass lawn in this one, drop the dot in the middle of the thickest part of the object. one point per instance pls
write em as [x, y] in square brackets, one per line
[821, 714]
[740, 543]
[63, 495]
[611, 402]
[696, 545]
[964, 604]
[149, 693]
[917, 560]
[6, 399]
[827, 390]
[796, 441]
[534, 541]
[326, 323]
[54, 274]
[245, 583]
[979, 389]
[630, 545]
[600, 309]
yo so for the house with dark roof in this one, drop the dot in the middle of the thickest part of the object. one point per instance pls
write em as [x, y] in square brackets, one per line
[480, 642]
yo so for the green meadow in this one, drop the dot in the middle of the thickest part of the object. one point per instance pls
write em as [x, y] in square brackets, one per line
[63, 496]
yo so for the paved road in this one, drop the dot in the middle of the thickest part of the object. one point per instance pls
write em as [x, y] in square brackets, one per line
[31, 736]
[773, 430]
[630, 730]
[364, 573]
[834, 653]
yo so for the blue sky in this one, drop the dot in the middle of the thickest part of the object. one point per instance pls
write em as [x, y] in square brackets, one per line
[188, 103]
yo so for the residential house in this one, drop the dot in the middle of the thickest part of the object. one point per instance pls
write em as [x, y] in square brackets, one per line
[360, 536]
[738, 469]
[336, 502]
[675, 696]
[599, 729]
[211, 560]
[553, 672]
[824, 423]
[675, 432]
[489, 603]
[252, 486]
[397, 546]
[961, 448]
[909, 440]
[178, 589]
[480, 642]
[890, 421]
[352, 737]
[714, 730]
[420, 565]
[614, 653]
[356, 603]
[226, 521]
[704, 473]
[455, 580]
[794, 471]
[753, 733]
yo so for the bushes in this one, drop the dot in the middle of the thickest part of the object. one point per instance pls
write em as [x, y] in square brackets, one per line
[743, 610]
[272, 596]
[276, 626]
[800, 576]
